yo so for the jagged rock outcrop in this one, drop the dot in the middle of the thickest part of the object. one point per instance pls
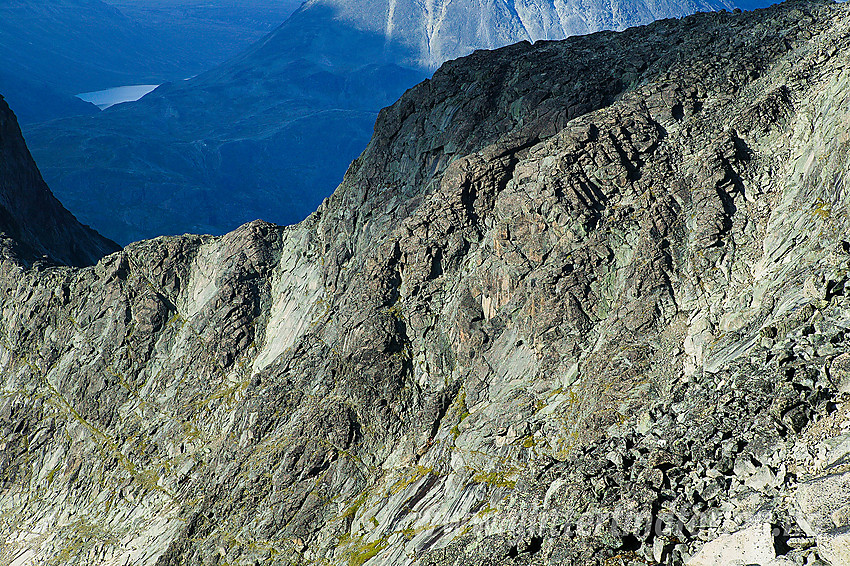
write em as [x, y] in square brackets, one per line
[578, 302]
[33, 224]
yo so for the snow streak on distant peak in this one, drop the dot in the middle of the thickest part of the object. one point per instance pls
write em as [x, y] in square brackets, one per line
[439, 30]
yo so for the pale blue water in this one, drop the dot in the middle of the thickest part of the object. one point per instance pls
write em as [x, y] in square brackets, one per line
[105, 98]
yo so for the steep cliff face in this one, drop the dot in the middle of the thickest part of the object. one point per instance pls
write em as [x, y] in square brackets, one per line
[32, 222]
[578, 302]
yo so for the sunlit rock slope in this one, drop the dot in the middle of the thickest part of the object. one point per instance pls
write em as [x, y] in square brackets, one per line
[581, 302]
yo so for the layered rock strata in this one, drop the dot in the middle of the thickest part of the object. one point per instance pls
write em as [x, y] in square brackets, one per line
[578, 302]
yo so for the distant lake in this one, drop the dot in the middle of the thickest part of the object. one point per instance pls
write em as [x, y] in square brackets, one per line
[103, 99]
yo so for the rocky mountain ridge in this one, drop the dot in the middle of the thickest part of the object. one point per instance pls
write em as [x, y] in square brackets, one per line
[271, 132]
[578, 302]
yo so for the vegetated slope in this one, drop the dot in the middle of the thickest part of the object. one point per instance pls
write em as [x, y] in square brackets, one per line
[33, 224]
[566, 308]
[270, 133]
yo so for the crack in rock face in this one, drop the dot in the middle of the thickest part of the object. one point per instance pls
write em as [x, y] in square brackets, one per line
[578, 302]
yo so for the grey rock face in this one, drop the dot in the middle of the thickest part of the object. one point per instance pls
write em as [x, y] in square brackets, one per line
[754, 545]
[566, 308]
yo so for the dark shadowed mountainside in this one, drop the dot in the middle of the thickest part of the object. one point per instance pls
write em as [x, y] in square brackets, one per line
[57, 49]
[213, 29]
[35, 101]
[33, 224]
[79, 46]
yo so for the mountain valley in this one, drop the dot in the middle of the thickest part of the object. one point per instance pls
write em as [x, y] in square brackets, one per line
[55, 50]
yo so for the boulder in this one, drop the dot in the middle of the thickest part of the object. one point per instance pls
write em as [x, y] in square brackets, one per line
[753, 545]
[834, 546]
[823, 504]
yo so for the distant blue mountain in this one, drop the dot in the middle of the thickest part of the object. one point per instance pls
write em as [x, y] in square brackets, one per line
[208, 32]
[753, 4]
[35, 101]
[82, 45]
[55, 49]
[270, 133]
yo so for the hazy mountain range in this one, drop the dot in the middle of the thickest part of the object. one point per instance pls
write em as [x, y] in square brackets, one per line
[439, 30]
[214, 30]
[269, 133]
[54, 50]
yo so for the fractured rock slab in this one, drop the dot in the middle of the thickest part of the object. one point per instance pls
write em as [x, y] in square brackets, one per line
[753, 545]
